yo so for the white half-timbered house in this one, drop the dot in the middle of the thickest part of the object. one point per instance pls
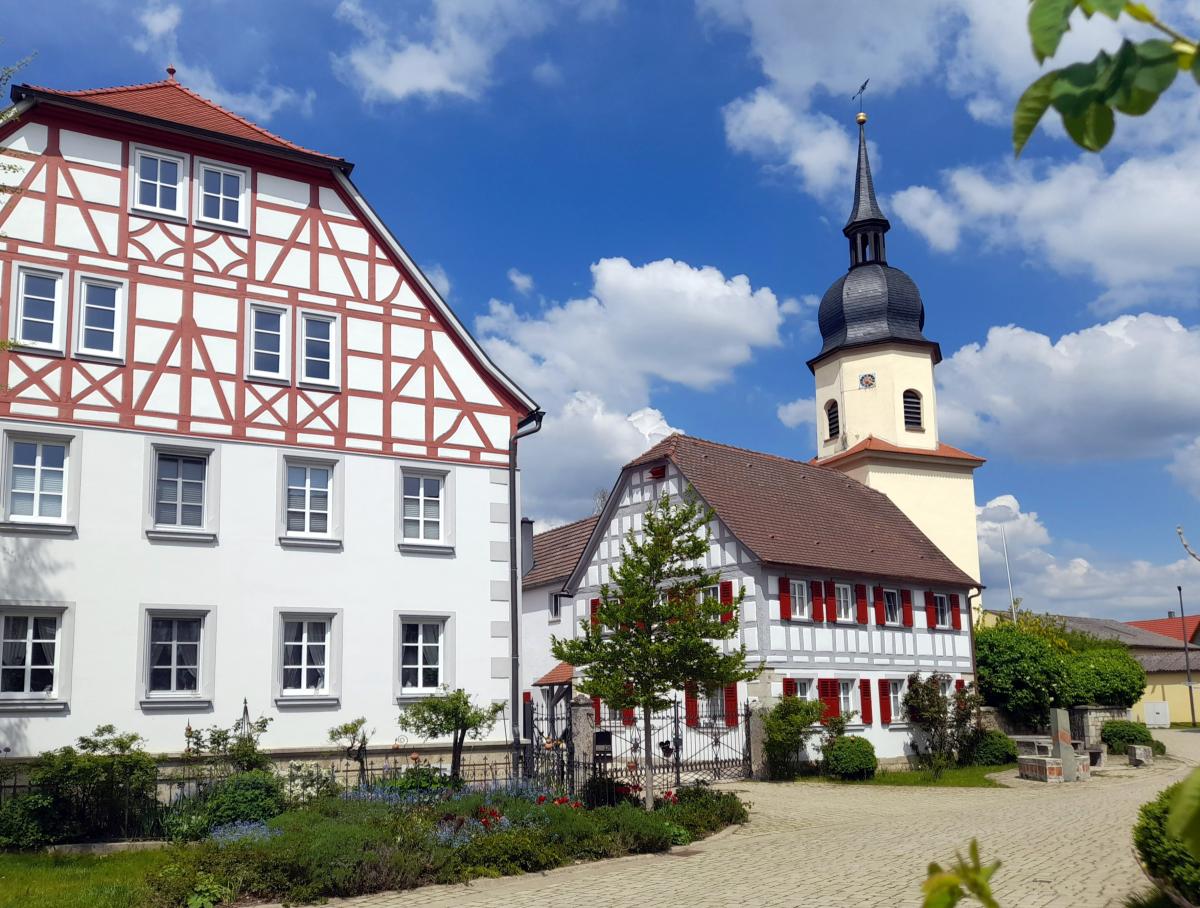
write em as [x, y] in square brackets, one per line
[246, 450]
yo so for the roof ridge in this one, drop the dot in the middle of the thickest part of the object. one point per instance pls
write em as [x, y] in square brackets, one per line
[682, 437]
[566, 526]
[213, 104]
[80, 92]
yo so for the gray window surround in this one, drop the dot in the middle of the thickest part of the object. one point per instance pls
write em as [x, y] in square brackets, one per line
[284, 376]
[449, 651]
[203, 698]
[444, 546]
[335, 537]
[332, 695]
[212, 491]
[19, 525]
[78, 351]
[63, 657]
[58, 345]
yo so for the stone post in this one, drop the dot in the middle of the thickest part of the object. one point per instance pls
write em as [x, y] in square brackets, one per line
[759, 692]
[583, 739]
[1060, 744]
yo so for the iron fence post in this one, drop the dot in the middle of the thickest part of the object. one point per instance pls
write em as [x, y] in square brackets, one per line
[677, 740]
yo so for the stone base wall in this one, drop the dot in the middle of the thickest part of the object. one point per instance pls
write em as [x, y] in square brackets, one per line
[1049, 769]
[1087, 721]
[992, 718]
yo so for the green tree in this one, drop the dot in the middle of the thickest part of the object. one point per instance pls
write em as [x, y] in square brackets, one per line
[353, 737]
[452, 715]
[1019, 672]
[658, 628]
[788, 726]
[946, 724]
[1106, 676]
[1085, 95]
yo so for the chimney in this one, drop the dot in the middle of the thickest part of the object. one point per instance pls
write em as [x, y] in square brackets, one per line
[1170, 614]
[526, 546]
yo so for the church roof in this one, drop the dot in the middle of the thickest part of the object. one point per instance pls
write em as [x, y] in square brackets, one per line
[871, 443]
[866, 208]
[557, 551]
[169, 103]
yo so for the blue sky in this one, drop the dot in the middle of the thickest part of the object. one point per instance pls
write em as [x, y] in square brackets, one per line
[635, 205]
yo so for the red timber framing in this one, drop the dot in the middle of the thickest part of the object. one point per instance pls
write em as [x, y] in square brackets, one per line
[409, 383]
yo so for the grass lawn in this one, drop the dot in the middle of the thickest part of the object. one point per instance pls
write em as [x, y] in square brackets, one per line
[76, 881]
[955, 777]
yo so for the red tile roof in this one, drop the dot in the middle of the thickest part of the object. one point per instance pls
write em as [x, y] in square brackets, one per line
[170, 102]
[871, 443]
[1171, 627]
[557, 551]
[560, 674]
[794, 514]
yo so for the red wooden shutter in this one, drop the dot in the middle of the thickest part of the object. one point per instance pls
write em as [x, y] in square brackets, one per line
[731, 706]
[790, 687]
[830, 601]
[827, 690]
[959, 683]
[596, 709]
[860, 601]
[864, 701]
[627, 713]
[527, 696]
[885, 701]
[691, 706]
[880, 607]
[906, 607]
[818, 601]
[726, 590]
[595, 612]
[785, 599]
[930, 609]
[955, 614]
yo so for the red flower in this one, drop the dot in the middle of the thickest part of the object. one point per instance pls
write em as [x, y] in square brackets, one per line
[575, 805]
[541, 799]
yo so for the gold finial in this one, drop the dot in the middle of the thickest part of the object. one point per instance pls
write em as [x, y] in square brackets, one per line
[861, 118]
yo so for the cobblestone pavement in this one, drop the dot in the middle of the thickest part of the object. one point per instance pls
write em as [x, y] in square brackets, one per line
[817, 844]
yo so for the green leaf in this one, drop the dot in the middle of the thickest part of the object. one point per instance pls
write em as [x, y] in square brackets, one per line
[1196, 68]
[1110, 8]
[1048, 22]
[1139, 11]
[1030, 109]
[1078, 86]
[1183, 820]
[1145, 75]
[1092, 129]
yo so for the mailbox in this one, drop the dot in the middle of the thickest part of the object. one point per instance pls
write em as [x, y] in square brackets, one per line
[602, 745]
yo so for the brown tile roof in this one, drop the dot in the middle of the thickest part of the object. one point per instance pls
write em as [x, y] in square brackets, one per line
[557, 551]
[560, 674]
[871, 443]
[169, 101]
[795, 514]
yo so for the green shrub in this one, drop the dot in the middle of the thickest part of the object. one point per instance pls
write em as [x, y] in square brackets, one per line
[1165, 857]
[1019, 672]
[788, 726]
[422, 777]
[1118, 734]
[510, 852]
[1105, 676]
[23, 822]
[850, 757]
[702, 811]
[253, 795]
[995, 748]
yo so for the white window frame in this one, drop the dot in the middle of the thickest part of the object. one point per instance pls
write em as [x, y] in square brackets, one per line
[209, 530]
[333, 537]
[838, 589]
[58, 336]
[896, 699]
[242, 173]
[179, 212]
[284, 374]
[899, 619]
[846, 695]
[203, 695]
[335, 347]
[554, 608]
[444, 545]
[711, 708]
[801, 607]
[59, 699]
[448, 653]
[941, 605]
[64, 525]
[82, 350]
[331, 695]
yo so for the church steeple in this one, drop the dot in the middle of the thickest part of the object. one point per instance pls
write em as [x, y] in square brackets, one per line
[867, 223]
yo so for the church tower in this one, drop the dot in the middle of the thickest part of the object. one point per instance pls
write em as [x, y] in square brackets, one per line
[875, 397]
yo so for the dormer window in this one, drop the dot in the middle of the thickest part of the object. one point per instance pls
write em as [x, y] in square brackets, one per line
[831, 417]
[912, 410]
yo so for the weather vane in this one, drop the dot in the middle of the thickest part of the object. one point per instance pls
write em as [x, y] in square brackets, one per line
[858, 95]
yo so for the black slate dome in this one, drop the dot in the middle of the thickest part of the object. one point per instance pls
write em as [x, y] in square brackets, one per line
[873, 302]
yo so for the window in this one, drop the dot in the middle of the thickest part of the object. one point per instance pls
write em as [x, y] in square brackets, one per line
[307, 499]
[896, 697]
[28, 655]
[36, 482]
[422, 657]
[845, 602]
[942, 604]
[422, 520]
[268, 352]
[39, 313]
[912, 409]
[305, 655]
[221, 196]
[800, 607]
[710, 592]
[175, 655]
[712, 706]
[555, 608]
[180, 490]
[101, 317]
[318, 346]
[891, 607]
[831, 417]
[846, 697]
[159, 185]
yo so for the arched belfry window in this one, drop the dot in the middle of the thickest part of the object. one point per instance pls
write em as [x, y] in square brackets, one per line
[831, 417]
[912, 410]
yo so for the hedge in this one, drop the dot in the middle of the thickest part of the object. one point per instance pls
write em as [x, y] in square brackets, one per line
[850, 757]
[1165, 857]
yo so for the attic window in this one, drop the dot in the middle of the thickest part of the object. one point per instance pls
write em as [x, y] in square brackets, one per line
[831, 416]
[658, 472]
[912, 410]
[159, 182]
[222, 194]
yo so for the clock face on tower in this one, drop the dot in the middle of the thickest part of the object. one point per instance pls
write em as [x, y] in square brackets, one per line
[866, 381]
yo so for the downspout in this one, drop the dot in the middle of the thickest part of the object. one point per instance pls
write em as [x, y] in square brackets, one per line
[527, 426]
[971, 629]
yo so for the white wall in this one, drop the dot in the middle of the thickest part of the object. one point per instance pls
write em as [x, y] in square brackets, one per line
[111, 569]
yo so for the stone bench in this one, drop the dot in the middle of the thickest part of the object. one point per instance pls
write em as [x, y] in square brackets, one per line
[1043, 746]
[1049, 769]
[1140, 755]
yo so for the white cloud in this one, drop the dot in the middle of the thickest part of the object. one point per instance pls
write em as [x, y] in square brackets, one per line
[1185, 467]
[159, 37]
[522, 282]
[440, 279]
[797, 412]
[547, 73]
[1048, 582]
[927, 212]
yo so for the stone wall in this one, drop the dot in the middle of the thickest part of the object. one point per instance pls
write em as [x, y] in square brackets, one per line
[1087, 721]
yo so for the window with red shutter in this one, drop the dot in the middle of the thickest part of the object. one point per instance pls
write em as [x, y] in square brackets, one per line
[785, 599]
[731, 706]
[880, 610]
[727, 600]
[596, 709]
[955, 614]
[860, 602]
[830, 601]
[930, 609]
[627, 713]
[828, 693]
[818, 601]
[790, 687]
[691, 706]
[959, 683]
[906, 607]
[595, 613]
[864, 701]
[885, 701]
